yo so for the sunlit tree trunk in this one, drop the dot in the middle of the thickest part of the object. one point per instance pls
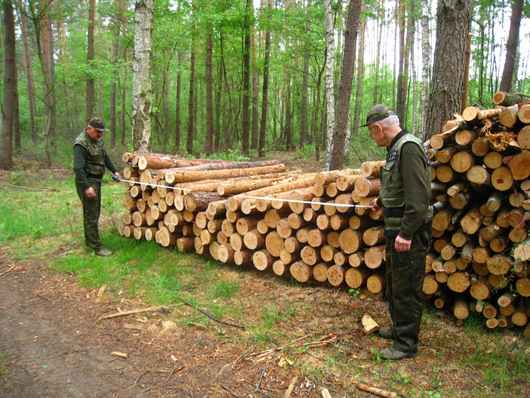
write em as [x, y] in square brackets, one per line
[511, 46]
[401, 92]
[360, 75]
[142, 96]
[381, 19]
[255, 93]
[330, 86]
[191, 96]
[305, 88]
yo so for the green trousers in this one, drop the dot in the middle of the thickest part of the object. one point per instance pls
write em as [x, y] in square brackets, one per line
[405, 272]
[91, 212]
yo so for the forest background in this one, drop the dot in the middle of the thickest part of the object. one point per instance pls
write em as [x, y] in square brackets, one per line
[236, 78]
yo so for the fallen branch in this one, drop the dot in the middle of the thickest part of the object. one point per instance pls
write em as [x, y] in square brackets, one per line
[161, 308]
[376, 391]
[291, 388]
[8, 270]
[211, 316]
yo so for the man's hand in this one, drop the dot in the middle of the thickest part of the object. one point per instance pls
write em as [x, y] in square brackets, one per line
[374, 205]
[90, 193]
[402, 245]
[118, 176]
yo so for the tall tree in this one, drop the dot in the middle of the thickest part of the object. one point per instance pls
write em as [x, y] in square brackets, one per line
[346, 81]
[426, 61]
[191, 96]
[118, 18]
[305, 85]
[245, 131]
[453, 24]
[265, 89]
[142, 101]
[32, 100]
[511, 46]
[90, 60]
[10, 88]
[209, 90]
[330, 84]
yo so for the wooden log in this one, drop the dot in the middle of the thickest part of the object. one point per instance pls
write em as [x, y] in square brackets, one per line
[478, 175]
[462, 161]
[356, 277]
[199, 201]
[320, 272]
[310, 255]
[283, 228]
[356, 259]
[316, 237]
[336, 275]
[522, 251]
[368, 187]
[458, 282]
[288, 258]
[279, 267]
[374, 236]
[344, 203]
[460, 308]
[376, 282]
[242, 257]
[508, 99]
[480, 289]
[523, 137]
[480, 146]
[274, 243]
[298, 196]
[262, 260]
[301, 271]
[295, 221]
[499, 264]
[471, 221]
[464, 137]
[502, 178]
[371, 169]
[374, 256]
[236, 241]
[292, 245]
[345, 183]
[430, 285]
[524, 113]
[253, 240]
[506, 299]
[519, 165]
[522, 285]
[350, 240]
[327, 252]
[472, 114]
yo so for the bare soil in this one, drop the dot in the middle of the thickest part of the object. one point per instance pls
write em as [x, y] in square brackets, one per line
[55, 345]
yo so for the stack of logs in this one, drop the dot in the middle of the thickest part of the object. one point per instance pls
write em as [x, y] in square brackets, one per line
[318, 226]
[480, 177]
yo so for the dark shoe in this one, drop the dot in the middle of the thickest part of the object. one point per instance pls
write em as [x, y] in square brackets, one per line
[386, 332]
[393, 354]
[103, 251]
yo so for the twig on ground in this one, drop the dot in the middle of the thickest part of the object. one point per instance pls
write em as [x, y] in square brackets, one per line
[162, 308]
[8, 270]
[229, 391]
[261, 377]
[290, 389]
[375, 390]
[211, 316]
[173, 371]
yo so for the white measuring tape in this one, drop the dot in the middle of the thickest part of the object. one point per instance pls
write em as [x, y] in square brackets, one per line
[254, 197]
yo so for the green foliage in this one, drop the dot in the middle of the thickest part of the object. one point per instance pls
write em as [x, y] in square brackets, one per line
[231, 154]
[306, 152]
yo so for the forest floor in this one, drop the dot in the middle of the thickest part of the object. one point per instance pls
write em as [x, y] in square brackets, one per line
[54, 344]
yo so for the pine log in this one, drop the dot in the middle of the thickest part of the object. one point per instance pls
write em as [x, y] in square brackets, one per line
[462, 161]
[508, 99]
[464, 138]
[375, 256]
[262, 260]
[374, 236]
[274, 243]
[371, 169]
[316, 237]
[356, 277]
[320, 272]
[522, 285]
[288, 258]
[480, 289]
[356, 259]
[344, 203]
[460, 308]
[279, 267]
[506, 299]
[301, 271]
[298, 196]
[242, 257]
[522, 251]
[292, 245]
[430, 285]
[471, 221]
[350, 240]
[376, 282]
[458, 282]
[185, 243]
[480, 146]
[336, 275]
[523, 137]
[524, 113]
[254, 240]
[346, 183]
[519, 165]
[310, 255]
[472, 114]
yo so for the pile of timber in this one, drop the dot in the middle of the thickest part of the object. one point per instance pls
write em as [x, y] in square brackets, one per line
[480, 179]
[311, 226]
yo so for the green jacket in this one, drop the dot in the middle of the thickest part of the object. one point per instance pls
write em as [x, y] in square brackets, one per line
[405, 186]
[90, 160]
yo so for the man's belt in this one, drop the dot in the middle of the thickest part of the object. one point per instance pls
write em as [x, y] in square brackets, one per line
[394, 211]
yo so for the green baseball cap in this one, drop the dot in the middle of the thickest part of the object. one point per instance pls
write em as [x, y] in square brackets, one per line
[98, 124]
[377, 113]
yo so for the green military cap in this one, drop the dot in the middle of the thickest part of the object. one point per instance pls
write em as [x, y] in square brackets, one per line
[377, 113]
[98, 124]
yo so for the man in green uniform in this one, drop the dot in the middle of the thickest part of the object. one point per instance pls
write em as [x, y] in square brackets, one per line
[404, 199]
[90, 161]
